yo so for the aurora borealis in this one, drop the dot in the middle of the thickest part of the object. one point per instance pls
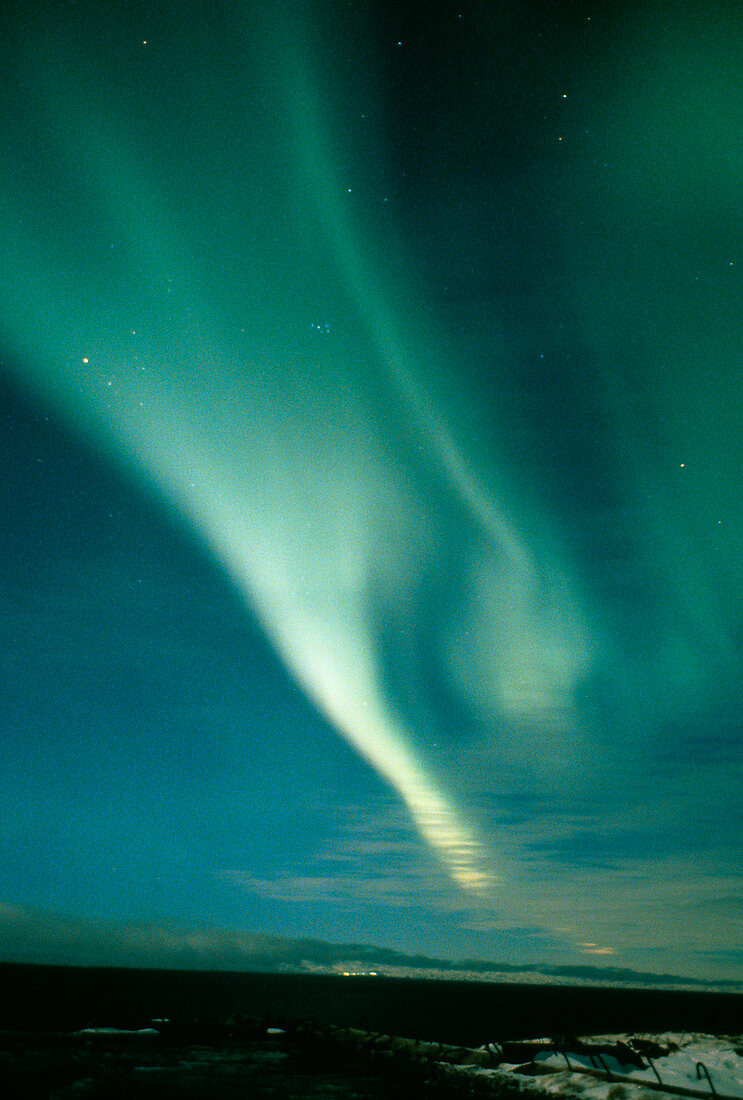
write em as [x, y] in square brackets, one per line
[372, 425]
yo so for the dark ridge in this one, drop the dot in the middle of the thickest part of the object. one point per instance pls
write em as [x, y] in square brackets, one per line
[466, 1013]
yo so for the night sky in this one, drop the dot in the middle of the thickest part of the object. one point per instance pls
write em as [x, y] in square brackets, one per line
[371, 426]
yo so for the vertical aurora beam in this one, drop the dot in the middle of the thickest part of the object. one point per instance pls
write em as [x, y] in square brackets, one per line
[284, 482]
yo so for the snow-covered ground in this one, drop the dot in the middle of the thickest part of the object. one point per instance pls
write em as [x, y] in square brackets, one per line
[107, 1031]
[721, 1057]
[598, 1067]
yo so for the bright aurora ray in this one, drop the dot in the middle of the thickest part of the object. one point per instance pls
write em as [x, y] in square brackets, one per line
[209, 281]
[280, 462]
[287, 462]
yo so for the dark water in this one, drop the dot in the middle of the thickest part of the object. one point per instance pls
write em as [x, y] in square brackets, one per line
[468, 1013]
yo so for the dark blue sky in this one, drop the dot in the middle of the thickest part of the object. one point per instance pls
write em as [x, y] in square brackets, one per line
[371, 428]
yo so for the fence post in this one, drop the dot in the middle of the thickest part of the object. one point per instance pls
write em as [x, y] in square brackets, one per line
[702, 1069]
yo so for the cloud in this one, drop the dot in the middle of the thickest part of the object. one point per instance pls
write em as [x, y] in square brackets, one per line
[36, 936]
[371, 860]
[350, 890]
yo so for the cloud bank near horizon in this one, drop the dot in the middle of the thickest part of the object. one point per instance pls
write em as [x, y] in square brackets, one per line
[33, 936]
